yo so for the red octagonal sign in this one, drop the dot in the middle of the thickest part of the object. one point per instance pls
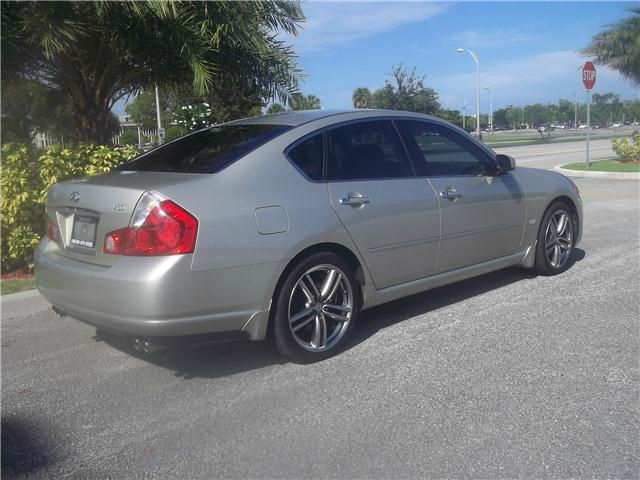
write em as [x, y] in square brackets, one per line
[588, 75]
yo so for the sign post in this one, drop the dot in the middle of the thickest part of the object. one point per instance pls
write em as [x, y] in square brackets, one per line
[589, 80]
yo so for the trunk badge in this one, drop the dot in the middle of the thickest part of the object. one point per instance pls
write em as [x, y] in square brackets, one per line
[118, 207]
[75, 197]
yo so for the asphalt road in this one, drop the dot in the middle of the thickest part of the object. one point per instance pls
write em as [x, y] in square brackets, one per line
[554, 154]
[505, 375]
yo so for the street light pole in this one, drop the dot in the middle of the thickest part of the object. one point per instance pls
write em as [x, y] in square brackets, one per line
[160, 140]
[490, 108]
[575, 121]
[464, 107]
[475, 59]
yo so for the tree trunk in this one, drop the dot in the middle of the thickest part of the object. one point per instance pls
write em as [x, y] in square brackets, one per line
[93, 119]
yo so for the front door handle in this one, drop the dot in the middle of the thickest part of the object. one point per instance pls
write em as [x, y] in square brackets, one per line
[451, 194]
[355, 199]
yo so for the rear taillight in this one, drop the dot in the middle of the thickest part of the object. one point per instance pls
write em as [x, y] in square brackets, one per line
[159, 227]
[52, 231]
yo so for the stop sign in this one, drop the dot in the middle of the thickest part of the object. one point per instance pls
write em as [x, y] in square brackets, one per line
[588, 75]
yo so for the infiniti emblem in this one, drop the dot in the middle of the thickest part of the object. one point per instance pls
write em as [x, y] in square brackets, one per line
[74, 197]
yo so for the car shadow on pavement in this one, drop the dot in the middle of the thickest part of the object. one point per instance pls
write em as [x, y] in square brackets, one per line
[221, 360]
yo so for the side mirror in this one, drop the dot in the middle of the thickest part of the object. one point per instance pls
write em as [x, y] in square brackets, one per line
[505, 163]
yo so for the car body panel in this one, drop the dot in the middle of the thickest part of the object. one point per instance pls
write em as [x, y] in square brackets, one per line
[228, 283]
[485, 223]
[397, 232]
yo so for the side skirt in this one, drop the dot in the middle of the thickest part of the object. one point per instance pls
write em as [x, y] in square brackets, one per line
[416, 286]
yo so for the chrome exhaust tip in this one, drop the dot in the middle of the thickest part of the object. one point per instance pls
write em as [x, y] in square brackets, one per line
[145, 346]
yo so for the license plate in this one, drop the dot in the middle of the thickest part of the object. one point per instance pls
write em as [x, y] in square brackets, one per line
[84, 231]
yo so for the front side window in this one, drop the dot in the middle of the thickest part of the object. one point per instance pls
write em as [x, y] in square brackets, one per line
[366, 150]
[440, 151]
[207, 151]
[307, 156]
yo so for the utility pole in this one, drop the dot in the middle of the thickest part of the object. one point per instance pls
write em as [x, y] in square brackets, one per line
[464, 106]
[477, 60]
[575, 121]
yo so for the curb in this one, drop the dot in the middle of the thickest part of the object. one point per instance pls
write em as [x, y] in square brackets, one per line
[608, 175]
[26, 295]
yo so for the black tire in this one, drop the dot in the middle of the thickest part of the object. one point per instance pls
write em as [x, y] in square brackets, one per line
[543, 264]
[290, 345]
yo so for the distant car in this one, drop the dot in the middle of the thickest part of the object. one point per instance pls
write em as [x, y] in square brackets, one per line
[616, 125]
[582, 126]
[293, 224]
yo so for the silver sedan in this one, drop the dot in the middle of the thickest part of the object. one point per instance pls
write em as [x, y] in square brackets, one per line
[290, 225]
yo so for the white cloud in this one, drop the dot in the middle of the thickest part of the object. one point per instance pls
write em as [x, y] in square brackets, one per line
[543, 77]
[330, 24]
[490, 38]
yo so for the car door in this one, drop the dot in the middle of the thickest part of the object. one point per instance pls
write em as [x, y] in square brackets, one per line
[393, 220]
[483, 212]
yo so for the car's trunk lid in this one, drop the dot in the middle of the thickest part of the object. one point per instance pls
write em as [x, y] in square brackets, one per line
[85, 210]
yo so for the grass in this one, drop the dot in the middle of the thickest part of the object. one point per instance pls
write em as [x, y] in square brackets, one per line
[15, 285]
[608, 165]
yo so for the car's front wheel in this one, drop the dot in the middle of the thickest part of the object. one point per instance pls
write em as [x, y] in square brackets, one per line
[316, 308]
[555, 240]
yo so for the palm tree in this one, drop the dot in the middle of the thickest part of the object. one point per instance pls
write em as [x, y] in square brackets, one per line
[96, 53]
[298, 101]
[361, 98]
[619, 46]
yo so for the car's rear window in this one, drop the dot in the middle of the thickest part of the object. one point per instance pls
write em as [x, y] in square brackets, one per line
[208, 151]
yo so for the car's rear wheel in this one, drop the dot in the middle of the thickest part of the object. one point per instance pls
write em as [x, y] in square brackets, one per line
[316, 308]
[555, 240]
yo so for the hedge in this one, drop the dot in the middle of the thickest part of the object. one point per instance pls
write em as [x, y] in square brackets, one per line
[25, 178]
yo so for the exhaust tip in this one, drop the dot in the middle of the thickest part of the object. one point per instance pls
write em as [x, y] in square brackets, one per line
[145, 346]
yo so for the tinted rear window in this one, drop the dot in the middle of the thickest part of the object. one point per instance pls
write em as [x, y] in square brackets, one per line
[208, 151]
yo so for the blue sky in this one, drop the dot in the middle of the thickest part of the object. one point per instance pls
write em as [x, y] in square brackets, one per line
[528, 51]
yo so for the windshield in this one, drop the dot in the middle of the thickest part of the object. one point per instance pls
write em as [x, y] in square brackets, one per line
[208, 151]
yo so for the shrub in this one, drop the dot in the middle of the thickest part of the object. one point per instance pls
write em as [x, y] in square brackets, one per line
[627, 149]
[25, 179]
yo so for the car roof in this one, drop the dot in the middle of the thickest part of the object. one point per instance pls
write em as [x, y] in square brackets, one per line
[295, 119]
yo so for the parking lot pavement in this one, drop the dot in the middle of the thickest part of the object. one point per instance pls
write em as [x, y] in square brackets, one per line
[505, 375]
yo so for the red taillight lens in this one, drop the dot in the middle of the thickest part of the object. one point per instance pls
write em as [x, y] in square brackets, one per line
[168, 230]
[52, 231]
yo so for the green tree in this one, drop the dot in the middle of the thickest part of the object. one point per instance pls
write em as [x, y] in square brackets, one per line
[362, 98]
[406, 91]
[276, 108]
[96, 53]
[29, 107]
[619, 46]
[298, 101]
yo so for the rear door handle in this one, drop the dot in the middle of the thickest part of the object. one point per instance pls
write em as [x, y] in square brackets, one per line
[355, 199]
[451, 194]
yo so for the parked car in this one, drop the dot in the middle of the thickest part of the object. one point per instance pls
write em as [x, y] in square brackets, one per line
[291, 225]
[616, 125]
[582, 126]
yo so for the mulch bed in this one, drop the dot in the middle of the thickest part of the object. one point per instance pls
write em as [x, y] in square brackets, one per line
[19, 274]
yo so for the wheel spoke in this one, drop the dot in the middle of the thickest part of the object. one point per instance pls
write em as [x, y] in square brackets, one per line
[328, 283]
[306, 290]
[555, 261]
[333, 288]
[301, 315]
[335, 316]
[319, 337]
[562, 224]
[314, 289]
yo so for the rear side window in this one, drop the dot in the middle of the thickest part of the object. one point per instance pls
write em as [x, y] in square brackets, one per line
[366, 150]
[441, 151]
[308, 157]
[208, 151]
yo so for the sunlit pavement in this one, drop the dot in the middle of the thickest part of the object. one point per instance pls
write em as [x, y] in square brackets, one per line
[505, 375]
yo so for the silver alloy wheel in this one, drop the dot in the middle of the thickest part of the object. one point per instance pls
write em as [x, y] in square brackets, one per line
[320, 307]
[558, 239]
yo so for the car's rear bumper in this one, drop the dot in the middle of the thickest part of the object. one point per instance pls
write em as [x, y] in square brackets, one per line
[157, 296]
